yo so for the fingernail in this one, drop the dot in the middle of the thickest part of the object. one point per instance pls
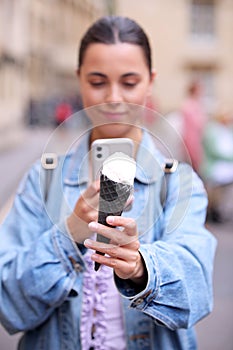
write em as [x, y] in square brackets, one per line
[93, 225]
[110, 219]
[87, 242]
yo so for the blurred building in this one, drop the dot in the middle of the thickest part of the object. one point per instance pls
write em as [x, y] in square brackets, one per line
[189, 38]
[38, 48]
[39, 39]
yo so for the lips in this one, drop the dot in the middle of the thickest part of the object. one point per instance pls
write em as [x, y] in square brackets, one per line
[114, 115]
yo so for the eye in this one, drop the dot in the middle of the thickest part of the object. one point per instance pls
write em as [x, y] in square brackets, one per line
[97, 83]
[129, 84]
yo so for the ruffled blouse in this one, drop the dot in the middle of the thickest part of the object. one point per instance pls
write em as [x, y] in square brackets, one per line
[102, 325]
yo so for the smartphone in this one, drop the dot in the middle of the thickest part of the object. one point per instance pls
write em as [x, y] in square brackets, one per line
[103, 148]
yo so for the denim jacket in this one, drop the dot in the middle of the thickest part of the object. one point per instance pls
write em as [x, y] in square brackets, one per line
[41, 268]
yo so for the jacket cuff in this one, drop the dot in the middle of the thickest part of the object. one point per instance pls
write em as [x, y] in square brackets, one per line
[140, 298]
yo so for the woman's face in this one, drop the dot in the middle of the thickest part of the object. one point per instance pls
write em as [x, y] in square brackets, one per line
[111, 78]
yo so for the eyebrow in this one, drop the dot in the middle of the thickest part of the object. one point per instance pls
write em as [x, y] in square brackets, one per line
[130, 74]
[96, 74]
[104, 75]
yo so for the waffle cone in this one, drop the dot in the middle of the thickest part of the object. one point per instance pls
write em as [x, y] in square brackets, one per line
[112, 200]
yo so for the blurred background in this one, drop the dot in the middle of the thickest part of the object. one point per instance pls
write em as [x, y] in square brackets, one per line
[190, 39]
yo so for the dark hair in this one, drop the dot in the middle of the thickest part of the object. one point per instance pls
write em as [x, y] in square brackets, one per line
[114, 29]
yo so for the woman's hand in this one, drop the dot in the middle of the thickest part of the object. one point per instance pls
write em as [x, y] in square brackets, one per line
[122, 251]
[84, 212]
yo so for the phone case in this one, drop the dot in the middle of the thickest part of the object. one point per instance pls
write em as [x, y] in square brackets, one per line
[103, 148]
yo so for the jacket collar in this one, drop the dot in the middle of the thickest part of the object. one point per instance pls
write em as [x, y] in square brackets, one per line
[149, 160]
[78, 169]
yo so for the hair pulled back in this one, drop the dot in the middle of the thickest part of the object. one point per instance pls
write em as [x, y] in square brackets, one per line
[112, 30]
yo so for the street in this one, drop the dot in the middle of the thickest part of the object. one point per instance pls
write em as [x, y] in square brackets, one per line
[214, 332]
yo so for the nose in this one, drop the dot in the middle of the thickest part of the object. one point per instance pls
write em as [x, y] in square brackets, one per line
[114, 94]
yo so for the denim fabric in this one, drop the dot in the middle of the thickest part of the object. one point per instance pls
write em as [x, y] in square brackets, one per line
[41, 268]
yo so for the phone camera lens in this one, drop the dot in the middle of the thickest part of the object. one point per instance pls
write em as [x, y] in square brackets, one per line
[99, 148]
[99, 155]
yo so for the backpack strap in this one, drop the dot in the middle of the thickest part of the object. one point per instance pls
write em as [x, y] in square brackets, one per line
[170, 166]
[49, 162]
[52, 184]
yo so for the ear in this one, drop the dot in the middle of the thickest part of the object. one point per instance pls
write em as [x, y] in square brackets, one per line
[78, 72]
[153, 74]
[152, 79]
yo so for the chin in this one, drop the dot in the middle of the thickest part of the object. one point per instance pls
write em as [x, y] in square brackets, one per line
[113, 130]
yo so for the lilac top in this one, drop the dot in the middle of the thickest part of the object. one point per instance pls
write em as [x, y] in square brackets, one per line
[102, 324]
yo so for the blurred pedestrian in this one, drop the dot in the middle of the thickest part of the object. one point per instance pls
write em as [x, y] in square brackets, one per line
[217, 165]
[62, 112]
[193, 123]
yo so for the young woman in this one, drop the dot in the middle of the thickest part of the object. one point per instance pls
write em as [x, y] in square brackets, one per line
[155, 280]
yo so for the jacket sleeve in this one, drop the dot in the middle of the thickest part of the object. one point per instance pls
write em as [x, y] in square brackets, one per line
[179, 264]
[39, 264]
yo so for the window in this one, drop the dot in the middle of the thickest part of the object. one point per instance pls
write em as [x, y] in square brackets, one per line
[203, 19]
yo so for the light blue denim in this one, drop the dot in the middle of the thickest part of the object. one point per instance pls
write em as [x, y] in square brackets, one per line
[41, 268]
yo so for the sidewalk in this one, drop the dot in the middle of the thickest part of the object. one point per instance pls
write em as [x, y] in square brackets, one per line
[215, 331]
[17, 159]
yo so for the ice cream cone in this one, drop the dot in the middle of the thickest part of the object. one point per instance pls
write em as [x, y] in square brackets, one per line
[112, 200]
[116, 185]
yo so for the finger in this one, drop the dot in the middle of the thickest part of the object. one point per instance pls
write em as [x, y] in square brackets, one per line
[91, 216]
[92, 190]
[89, 200]
[108, 261]
[115, 236]
[100, 246]
[86, 209]
[128, 253]
[123, 268]
[92, 203]
[105, 231]
[128, 224]
[122, 252]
